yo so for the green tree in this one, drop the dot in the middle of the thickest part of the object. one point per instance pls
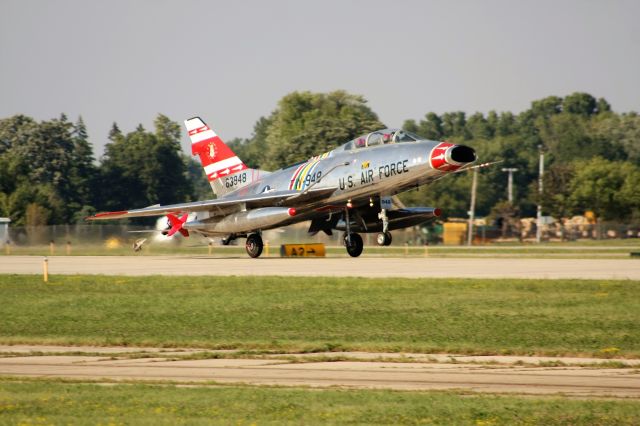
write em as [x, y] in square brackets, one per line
[149, 165]
[611, 189]
[478, 127]
[40, 163]
[121, 167]
[454, 126]
[201, 187]
[306, 124]
[411, 126]
[82, 174]
[556, 197]
[513, 152]
[579, 103]
[15, 132]
[14, 204]
[506, 125]
[430, 127]
[602, 106]
[169, 170]
[36, 215]
[252, 151]
[115, 134]
[568, 138]
[547, 107]
[493, 120]
[618, 132]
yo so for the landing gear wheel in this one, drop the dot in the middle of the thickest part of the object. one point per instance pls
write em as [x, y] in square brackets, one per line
[355, 248]
[384, 239]
[254, 245]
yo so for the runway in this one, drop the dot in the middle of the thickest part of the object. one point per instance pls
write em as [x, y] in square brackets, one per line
[492, 378]
[625, 269]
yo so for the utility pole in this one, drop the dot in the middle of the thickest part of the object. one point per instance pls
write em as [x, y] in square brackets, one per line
[511, 170]
[472, 207]
[540, 187]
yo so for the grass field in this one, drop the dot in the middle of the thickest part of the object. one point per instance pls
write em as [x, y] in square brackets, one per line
[46, 402]
[553, 317]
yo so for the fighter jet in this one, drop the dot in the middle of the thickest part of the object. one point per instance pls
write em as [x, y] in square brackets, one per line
[347, 189]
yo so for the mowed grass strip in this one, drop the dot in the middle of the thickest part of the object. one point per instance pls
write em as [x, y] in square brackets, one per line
[600, 318]
[75, 403]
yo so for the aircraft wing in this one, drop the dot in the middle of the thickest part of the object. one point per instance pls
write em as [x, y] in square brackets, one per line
[276, 198]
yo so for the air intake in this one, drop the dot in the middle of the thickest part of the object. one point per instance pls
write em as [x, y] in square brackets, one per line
[462, 154]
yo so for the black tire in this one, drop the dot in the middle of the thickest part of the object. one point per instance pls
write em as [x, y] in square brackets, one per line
[384, 239]
[355, 248]
[254, 245]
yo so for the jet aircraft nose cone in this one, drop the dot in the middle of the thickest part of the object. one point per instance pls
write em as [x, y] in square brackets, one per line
[448, 157]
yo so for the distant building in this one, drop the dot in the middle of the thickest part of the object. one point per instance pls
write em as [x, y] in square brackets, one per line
[4, 230]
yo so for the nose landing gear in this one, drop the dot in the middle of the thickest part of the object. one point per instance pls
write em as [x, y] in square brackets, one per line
[384, 239]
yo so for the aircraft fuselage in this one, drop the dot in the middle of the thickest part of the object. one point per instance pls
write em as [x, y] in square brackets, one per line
[348, 188]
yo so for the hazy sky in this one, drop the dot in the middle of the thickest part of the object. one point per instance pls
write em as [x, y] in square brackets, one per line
[230, 62]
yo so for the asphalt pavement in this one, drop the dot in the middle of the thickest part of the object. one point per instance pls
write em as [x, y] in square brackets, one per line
[500, 376]
[408, 267]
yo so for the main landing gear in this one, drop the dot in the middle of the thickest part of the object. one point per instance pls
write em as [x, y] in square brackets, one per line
[352, 241]
[254, 245]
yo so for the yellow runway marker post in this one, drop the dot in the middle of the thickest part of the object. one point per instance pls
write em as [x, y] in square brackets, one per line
[45, 269]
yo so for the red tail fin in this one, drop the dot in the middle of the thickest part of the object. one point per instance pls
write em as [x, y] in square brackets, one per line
[217, 158]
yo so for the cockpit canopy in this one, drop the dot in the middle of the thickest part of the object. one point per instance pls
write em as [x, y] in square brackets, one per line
[381, 137]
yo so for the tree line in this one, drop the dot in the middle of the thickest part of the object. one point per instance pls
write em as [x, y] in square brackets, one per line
[48, 172]
[592, 159]
[49, 175]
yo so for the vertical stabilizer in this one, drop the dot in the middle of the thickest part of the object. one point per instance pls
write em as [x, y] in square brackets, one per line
[225, 171]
